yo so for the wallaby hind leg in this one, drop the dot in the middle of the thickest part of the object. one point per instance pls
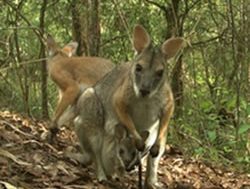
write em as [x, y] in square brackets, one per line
[80, 132]
[152, 167]
[90, 129]
[91, 143]
[100, 172]
[68, 98]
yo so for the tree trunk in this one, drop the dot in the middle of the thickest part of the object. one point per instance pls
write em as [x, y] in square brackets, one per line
[22, 70]
[94, 34]
[246, 9]
[86, 26]
[44, 74]
[177, 86]
[175, 29]
[78, 21]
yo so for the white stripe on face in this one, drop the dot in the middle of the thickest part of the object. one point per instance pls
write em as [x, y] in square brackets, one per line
[136, 89]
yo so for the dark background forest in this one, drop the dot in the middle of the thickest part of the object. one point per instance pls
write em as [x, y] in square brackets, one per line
[210, 80]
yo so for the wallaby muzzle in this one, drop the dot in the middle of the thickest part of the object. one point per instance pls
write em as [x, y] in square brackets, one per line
[131, 165]
[144, 92]
[145, 87]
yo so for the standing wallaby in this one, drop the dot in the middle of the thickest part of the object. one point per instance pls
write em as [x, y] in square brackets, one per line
[110, 147]
[71, 75]
[137, 95]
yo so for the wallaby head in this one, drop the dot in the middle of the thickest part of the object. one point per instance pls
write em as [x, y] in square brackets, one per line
[148, 72]
[53, 48]
[126, 151]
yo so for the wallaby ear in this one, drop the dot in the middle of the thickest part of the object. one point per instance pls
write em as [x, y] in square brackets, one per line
[120, 132]
[51, 45]
[172, 46]
[70, 49]
[141, 39]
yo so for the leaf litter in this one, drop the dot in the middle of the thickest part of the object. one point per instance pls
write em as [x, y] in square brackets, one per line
[29, 162]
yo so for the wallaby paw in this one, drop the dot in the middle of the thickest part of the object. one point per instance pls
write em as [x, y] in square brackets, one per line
[140, 145]
[145, 135]
[154, 151]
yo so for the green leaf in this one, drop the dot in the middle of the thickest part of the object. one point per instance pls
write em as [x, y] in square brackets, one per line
[244, 128]
[211, 135]
[199, 151]
[248, 109]
[243, 103]
[206, 105]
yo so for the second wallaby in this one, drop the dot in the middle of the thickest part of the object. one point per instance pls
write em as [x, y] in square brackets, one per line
[72, 75]
[137, 95]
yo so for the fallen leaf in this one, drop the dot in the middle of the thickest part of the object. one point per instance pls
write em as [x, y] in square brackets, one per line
[8, 185]
[13, 157]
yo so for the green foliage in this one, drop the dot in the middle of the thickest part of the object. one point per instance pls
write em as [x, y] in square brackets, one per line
[244, 128]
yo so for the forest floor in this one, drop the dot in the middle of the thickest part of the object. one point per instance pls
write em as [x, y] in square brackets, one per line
[27, 162]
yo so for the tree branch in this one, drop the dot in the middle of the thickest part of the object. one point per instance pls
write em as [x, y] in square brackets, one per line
[236, 66]
[163, 8]
[35, 29]
[123, 19]
[187, 9]
[112, 39]
[209, 40]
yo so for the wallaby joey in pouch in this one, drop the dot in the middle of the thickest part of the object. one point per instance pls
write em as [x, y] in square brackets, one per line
[109, 147]
[71, 75]
[137, 95]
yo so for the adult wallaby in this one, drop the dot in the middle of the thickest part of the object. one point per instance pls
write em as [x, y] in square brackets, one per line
[110, 147]
[137, 95]
[71, 75]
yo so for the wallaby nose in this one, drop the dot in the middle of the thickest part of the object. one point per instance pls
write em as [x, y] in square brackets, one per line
[130, 168]
[144, 92]
[130, 165]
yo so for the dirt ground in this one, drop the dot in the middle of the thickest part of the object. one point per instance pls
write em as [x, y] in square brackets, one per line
[28, 162]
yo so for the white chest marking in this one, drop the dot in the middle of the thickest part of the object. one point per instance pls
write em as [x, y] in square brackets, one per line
[88, 92]
[153, 132]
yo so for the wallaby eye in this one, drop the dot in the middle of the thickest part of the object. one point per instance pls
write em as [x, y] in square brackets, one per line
[159, 73]
[138, 68]
[121, 151]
